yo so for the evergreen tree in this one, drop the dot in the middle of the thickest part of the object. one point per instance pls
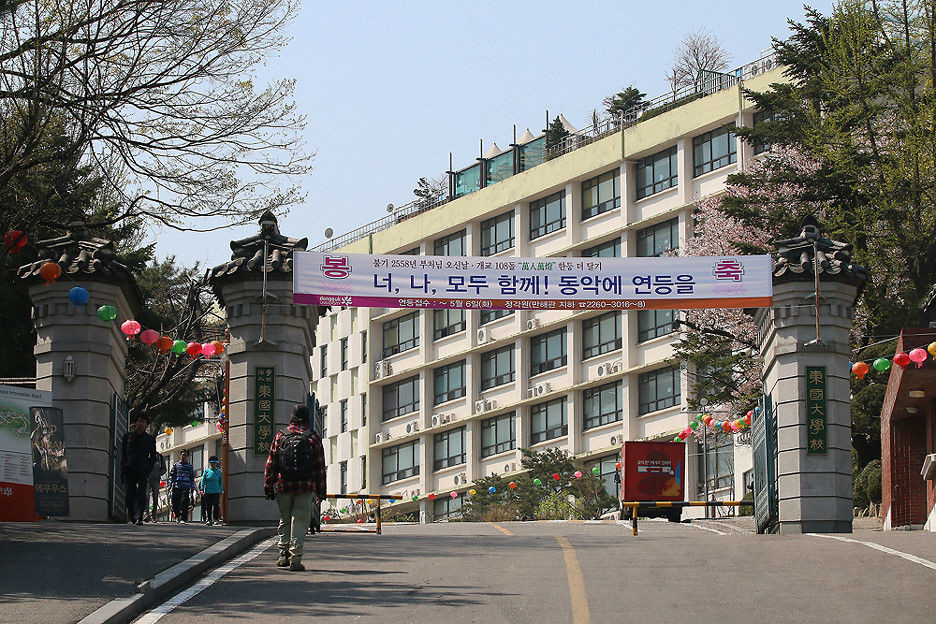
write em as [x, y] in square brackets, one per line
[555, 132]
[623, 101]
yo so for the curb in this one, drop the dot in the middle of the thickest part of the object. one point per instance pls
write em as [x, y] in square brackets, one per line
[167, 582]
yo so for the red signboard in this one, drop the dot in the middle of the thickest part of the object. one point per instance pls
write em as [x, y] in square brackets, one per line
[653, 471]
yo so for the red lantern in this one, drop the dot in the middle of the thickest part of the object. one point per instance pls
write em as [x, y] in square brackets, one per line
[617, 466]
[902, 360]
[14, 240]
[130, 328]
[725, 427]
[860, 369]
[50, 271]
[164, 343]
[512, 485]
[707, 419]
[360, 521]
[193, 349]
[556, 476]
[747, 419]
[326, 518]
[149, 337]
[162, 484]
[219, 347]
[432, 497]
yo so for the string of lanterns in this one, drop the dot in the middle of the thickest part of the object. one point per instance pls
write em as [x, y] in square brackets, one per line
[903, 360]
[727, 426]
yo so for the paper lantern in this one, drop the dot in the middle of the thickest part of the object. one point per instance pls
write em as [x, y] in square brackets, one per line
[78, 296]
[432, 497]
[860, 369]
[682, 435]
[694, 425]
[617, 466]
[164, 343]
[162, 484]
[14, 240]
[360, 520]
[193, 349]
[512, 485]
[218, 347]
[881, 364]
[556, 476]
[107, 313]
[596, 470]
[577, 474]
[902, 360]
[345, 509]
[454, 494]
[415, 498]
[130, 328]
[208, 349]
[492, 489]
[918, 356]
[537, 482]
[676, 439]
[178, 347]
[747, 418]
[50, 271]
[168, 430]
[932, 349]
[472, 492]
[725, 427]
[326, 518]
[707, 419]
[149, 336]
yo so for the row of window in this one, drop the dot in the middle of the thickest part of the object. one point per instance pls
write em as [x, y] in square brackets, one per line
[343, 346]
[657, 389]
[710, 151]
[602, 405]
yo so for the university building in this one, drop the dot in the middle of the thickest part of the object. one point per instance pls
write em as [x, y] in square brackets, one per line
[428, 401]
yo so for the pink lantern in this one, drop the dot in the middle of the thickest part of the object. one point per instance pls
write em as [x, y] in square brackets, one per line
[454, 494]
[577, 474]
[149, 337]
[130, 328]
[208, 349]
[918, 356]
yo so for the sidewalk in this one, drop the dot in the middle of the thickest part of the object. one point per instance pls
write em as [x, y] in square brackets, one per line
[61, 572]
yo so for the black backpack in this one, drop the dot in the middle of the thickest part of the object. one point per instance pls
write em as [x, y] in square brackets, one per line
[295, 457]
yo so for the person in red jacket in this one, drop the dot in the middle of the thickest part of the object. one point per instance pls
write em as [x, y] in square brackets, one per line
[295, 477]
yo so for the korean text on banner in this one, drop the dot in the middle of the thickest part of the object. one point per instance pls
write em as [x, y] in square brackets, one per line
[552, 283]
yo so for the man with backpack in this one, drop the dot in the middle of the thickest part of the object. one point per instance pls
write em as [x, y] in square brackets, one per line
[295, 478]
[181, 484]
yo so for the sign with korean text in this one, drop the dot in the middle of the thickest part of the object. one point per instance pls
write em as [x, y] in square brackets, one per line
[17, 444]
[50, 471]
[816, 404]
[550, 283]
[264, 421]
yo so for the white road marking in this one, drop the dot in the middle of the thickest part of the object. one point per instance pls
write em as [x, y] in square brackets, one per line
[890, 551]
[704, 528]
[184, 596]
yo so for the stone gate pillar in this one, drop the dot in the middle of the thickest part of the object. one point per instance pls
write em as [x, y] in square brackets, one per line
[281, 340]
[81, 359]
[808, 379]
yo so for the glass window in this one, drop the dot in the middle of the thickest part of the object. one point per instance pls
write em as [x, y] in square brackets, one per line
[400, 462]
[659, 239]
[343, 406]
[344, 354]
[497, 367]
[401, 398]
[447, 322]
[547, 215]
[759, 117]
[500, 167]
[657, 173]
[323, 360]
[657, 390]
[363, 409]
[324, 416]
[363, 472]
[713, 150]
[601, 194]
[653, 324]
[488, 316]
[720, 453]
[606, 466]
[607, 249]
[601, 334]
[449, 448]
[448, 507]
[451, 245]
[449, 382]
[497, 234]
[411, 252]
[547, 351]
[603, 405]
[344, 477]
[498, 434]
[467, 180]
[197, 459]
[364, 347]
[532, 153]
[401, 334]
[548, 421]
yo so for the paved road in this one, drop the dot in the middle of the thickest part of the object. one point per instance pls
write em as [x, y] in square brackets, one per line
[578, 572]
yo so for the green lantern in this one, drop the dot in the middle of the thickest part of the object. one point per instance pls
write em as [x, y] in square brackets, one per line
[415, 498]
[344, 510]
[537, 482]
[596, 470]
[107, 313]
[195, 423]
[694, 425]
[178, 347]
[881, 364]
[677, 439]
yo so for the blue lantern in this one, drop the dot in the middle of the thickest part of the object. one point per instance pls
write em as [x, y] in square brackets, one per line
[492, 489]
[78, 296]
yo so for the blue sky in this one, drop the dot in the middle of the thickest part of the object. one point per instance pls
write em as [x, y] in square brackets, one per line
[390, 88]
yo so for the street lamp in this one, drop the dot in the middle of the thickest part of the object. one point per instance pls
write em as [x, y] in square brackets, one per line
[703, 402]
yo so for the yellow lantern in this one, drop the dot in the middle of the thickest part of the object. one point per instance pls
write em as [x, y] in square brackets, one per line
[932, 349]
[168, 430]
[472, 492]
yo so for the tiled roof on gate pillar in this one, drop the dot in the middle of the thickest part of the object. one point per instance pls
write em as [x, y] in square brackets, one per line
[793, 259]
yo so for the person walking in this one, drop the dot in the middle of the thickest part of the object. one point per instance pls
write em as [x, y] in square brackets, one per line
[295, 478]
[211, 487]
[152, 486]
[137, 456]
[181, 484]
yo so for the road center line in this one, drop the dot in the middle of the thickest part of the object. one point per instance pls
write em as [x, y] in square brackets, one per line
[500, 528]
[184, 596]
[580, 614]
[926, 563]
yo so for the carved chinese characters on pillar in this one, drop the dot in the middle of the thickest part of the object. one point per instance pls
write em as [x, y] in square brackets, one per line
[816, 404]
[263, 410]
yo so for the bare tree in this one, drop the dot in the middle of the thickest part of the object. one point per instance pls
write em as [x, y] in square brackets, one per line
[430, 190]
[698, 51]
[158, 94]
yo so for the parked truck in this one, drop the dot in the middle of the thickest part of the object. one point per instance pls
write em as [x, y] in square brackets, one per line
[653, 471]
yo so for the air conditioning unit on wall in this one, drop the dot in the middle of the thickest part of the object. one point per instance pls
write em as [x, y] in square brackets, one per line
[441, 419]
[378, 438]
[482, 335]
[533, 323]
[412, 427]
[382, 369]
[483, 405]
[539, 389]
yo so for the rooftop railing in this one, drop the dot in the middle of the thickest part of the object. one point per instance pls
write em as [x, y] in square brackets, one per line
[709, 82]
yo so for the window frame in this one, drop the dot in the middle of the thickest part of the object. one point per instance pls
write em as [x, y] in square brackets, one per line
[343, 483]
[445, 439]
[541, 208]
[394, 325]
[705, 141]
[653, 232]
[344, 353]
[596, 396]
[323, 360]
[645, 405]
[494, 426]
[603, 344]
[761, 146]
[444, 373]
[492, 315]
[548, 363]
[490, 244]
[655, 186]
[449, 329]
[395, 388]
[597, 251]
[398, 474]
[343, 410]
[442, 246]
[498, 378]
[602, 206]
[720, 456]
[549, 433]
[655, 329]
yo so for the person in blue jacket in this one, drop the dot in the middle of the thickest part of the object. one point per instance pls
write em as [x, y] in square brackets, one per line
[211, 487]
[181, 484]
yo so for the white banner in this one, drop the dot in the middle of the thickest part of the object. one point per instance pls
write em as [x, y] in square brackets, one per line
[389, 281]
